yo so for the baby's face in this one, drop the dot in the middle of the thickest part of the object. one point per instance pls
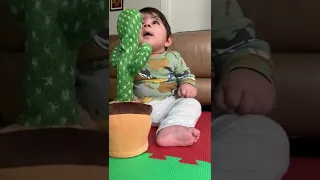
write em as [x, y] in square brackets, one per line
[153, 31]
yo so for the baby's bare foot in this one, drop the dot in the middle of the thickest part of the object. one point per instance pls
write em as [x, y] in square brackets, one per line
[177, 136]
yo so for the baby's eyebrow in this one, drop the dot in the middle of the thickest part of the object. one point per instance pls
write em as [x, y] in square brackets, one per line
[156, 18]
[153, 17]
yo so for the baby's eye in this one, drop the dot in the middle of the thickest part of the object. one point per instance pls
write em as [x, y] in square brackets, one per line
[155, 22]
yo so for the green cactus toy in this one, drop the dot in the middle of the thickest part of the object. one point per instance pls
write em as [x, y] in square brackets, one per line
[52, 45]
[129, 122]
[129, 57]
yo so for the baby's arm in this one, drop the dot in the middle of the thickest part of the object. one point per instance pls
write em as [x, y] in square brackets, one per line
[182, 72]
[236, 44]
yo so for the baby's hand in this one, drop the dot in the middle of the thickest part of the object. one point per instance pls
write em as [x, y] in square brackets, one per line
[246, 92]
[137, 100]
[187, 91]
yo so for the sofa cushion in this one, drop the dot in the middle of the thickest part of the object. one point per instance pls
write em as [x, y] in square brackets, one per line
[11, 77]
[287, 25]
[12, 34]
[297, 88]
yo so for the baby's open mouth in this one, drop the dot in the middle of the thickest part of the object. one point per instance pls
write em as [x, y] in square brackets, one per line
[147, 34]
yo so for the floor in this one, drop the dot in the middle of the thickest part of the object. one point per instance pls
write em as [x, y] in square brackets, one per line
[305, 159]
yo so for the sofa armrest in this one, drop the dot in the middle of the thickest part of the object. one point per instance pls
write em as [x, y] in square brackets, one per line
[12, 68]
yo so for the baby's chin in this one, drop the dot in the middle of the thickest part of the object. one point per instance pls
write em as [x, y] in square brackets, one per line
[145, 41]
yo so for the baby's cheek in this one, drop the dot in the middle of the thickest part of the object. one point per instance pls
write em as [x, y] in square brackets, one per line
[141, 40]
[140, 33]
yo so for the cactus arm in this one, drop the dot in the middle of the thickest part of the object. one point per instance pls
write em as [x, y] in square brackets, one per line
[115, 57]
[140, 59]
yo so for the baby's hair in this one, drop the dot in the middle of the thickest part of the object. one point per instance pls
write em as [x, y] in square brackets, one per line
[154, 11]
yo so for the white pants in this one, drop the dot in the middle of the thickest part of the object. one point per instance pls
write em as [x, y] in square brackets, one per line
[250, 147]
[175, 111]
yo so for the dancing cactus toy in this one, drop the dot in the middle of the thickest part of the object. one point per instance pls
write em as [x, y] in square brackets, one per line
[128, 58]
[52, 45]
[129, 122]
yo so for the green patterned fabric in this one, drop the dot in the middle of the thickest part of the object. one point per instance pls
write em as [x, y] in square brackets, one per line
[129, 57]
[56, 29]
[161, 77]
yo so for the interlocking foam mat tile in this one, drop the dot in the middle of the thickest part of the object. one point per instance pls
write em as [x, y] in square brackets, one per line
[159, 163]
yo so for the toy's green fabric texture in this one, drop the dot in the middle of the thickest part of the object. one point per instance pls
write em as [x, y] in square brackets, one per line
[129, 57]
[56, 29]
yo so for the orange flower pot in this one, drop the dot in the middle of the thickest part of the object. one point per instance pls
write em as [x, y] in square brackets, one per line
[129, 127]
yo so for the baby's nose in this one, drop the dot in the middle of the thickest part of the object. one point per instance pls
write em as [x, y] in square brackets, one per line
[146, 25]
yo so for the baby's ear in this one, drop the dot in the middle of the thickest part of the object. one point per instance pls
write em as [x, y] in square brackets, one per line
[169, 41]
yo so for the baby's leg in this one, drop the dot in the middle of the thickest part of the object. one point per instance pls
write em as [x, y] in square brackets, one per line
[177, 128]
[248, 147]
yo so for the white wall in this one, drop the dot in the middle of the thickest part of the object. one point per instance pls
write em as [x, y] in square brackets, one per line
[189, 15]
[136, 4]
[183, 15]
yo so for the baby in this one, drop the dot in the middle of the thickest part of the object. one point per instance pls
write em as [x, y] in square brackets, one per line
[167, 84]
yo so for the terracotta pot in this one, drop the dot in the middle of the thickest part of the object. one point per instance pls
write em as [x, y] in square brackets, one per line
[129, 127]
